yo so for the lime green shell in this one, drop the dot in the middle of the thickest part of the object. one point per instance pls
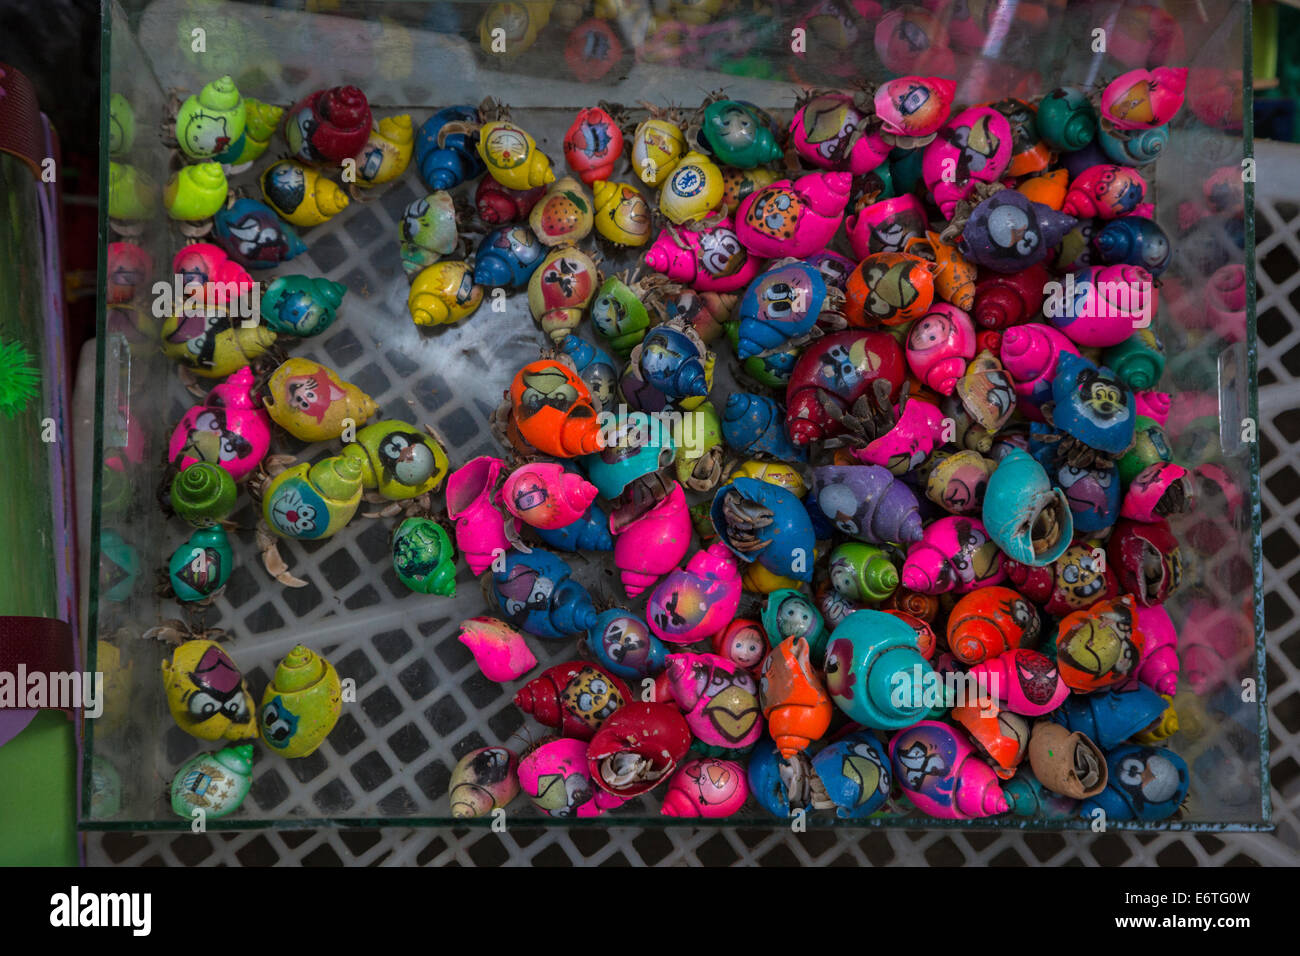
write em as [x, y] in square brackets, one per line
[313, 502]
[121, 125]
[211, 120]
[301, 705]
[196, 192]
[874, 575]
[384, 452]
[203, 494]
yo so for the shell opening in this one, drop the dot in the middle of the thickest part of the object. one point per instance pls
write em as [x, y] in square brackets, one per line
[1087, 765]
[1047, 527]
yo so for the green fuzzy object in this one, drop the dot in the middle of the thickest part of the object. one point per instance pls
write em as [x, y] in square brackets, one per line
[19, 380]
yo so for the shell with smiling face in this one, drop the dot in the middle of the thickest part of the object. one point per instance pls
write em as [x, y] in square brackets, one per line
[301, 705]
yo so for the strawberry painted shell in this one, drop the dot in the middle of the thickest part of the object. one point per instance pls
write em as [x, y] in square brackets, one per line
[564, 215]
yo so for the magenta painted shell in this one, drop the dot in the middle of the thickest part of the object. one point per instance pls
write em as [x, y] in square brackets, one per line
[939, 345]
[1161, 489]
[498, 649]
[231, 429]
[706, 787]
[1154, 405]
[1101, 306]
[1024, 681]
[694, 603]
[206, 263]
[821, 131]
[556, 778]
[654, 543]
[972, 147]
[886, 226]
[914, 105]
[719, 699]
[473, 502]
[1029, 354]
[954, 554]
[711, 260]
[1104, 191]
[544, 495]
[1159, 668]
[918, 432]
[1144, 99]
[942, 775]
[793, 218]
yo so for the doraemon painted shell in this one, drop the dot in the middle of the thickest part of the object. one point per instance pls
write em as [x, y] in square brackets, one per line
[1092, 405]
[1144, 783]
[537, 594]
[955, 554]
[719, 699]
[821, 131]
[788, 614]
[557, 780]
[780, 786]
[854, 772]
[621, 642]
[972, 147]
[508, 256]
[780, 305]
[1093, 494]
[886, 226]
[254, 236]
[1009, 232]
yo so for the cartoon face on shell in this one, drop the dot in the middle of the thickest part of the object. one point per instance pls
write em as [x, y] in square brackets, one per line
[592, 697]
[840, 677]
[827, 122]
[507, 147]
[297, 510]
[627, 641]
[784, 295]
[721, 253]
[796, 617]
[931, 331]
[417, 551]
[746, 647]
[924, 761]
[203, 134]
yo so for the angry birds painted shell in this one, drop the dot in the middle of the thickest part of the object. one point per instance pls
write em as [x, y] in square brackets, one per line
[312, 403]
[706, 787]
[694, 603]
[793, 218]
[955, 553]
[398, 460]
[822, 133]
[624, 646]
[328, 126]
[483, 780]
[875, 672]
[1009, 232]
[888, 288]
[537, 593]
[553, 411]
[423, 557]
[708, 260]
[780, 305]
[593, 145]
[854, 771]
[1144, 99]
[575, 697]
[839, 369]
[211, 341]
[206, 693]
[229, 429]
[556, 777]
[942, 774]
[719, 699]
[301, 705]
[972, 147]
[254, 236]
[446, 150]
[512, 156]
[443, 294]
[1100, 647]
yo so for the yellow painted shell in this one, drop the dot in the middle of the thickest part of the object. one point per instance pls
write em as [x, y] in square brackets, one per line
[118, 672]
[399, 460]
[774, 473]
[739, 183]
[622, 214]
[313, 502]
[693, 190]
[206, 694]
[760, 579]
[300, 194]
[387, 153]
[561, 288]
[444, 293]
[301, 705]
[509, 29]
[563, 215]
[512, 156]
[657, 148]
[196, 192]
[213, 345]
[311, 402]
[1164, 726]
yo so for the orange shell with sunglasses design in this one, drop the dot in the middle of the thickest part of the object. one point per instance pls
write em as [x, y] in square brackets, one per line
[553, 410]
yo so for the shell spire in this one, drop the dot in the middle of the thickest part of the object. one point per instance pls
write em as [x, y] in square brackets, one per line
[797, 708]
[338, 477]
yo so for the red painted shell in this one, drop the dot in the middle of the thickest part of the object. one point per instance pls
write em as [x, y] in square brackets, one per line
[576, 697]
[839, 368]
[638, 747]
[593, 145]
[1145, 555]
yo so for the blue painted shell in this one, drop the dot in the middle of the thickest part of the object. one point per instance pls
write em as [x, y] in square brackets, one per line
[673, 363]
[1145, 783]
[1112, 717]
[623, 644]
[588, 533]
[253, 235]
[537, 594]
[594, 366]
[1134, 241]
[456, 159]
[508, 257]
[854, 772]
[780, 305]
[785, 546]
[1018, 492]
[1132, 147]
[768, 784]
[1094, 495]
[1092, 405]
[755, 424]
[875, 672]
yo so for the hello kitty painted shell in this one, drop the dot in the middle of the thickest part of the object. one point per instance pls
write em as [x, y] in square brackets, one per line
[719, 699]
[1144, 99]
[544, 495]
[943, 775]
[955, 554]
[556, 777]
[708, 260]
[886, 226]
[939, 345]
[229, 429]
[914, 106]
[821, 132]
[793, 218]
[706, 787]
[694, 603]
[1105, 191]
[972, 147]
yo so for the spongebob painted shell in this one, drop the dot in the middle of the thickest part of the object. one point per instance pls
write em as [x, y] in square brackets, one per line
[719, 699]
[444, 293]
[301, 705]
[483, 780]
[399, 460]
[574, 697]
[211, 342]
[424, 558]
[206, 693]
[311, 402]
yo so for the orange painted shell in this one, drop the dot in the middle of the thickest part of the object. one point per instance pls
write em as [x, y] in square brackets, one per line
[553, 410]
[954, 274]
[794, 701]
[1048, 189]
[1101, 646]
[1002, 735]
[889, 288]
[989, 622]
